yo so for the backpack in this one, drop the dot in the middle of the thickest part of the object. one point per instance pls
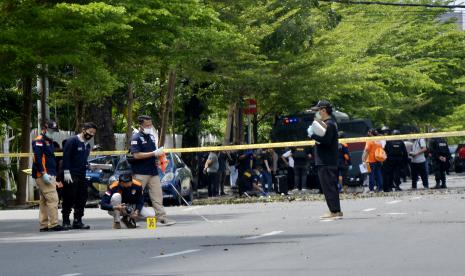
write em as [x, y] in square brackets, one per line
[443, 148]
[396, 150]
[380, 154]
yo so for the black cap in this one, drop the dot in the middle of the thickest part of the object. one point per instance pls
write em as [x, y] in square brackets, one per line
[321, 104]
[50, 124]
[126, 177]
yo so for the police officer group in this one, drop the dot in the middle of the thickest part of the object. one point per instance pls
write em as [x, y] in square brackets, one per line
[124, 198]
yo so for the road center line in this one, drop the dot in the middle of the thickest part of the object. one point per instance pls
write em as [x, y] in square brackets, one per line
[176, 254]
[264, 235]
[368, 210]
[394, 202]
[72, 274]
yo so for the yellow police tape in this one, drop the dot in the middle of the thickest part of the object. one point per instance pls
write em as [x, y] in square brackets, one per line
[272, 145]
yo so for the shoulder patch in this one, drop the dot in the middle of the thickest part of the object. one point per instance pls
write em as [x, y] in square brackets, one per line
[133, 142]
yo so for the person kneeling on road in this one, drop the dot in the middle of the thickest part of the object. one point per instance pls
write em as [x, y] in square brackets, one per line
[124, 201]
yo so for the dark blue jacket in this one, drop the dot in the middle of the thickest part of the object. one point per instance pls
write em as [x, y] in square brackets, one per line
[131, 195]
[44, 156]
[141, 142]
[75, 156]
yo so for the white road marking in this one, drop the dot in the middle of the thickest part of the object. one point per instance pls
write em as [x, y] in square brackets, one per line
[176, 254]
[264, 235]
[417, 197]
[192, 208]
[72, 274]
[394, 202]
[368, 210]
[395, 214]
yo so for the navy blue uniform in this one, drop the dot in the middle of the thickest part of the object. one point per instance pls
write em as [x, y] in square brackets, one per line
[130, 196]
[75, 154]
[44, 157]
[141, 142]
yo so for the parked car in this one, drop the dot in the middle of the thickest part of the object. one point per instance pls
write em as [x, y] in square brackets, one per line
[176, 179]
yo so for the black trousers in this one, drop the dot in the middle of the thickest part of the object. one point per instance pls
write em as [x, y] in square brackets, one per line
[300, 177]
[74, 197]
[212, 180]
[440, 169]
[328, 181]
[290, 178]
[392, 170]
[419, 169]
[221, 180]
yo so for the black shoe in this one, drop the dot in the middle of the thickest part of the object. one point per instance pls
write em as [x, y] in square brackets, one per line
[66, 223]
[436, 187]
[443, 187]
[398, 189]
[77, 224]
[44, 229]
[128, 222]
[57, 228]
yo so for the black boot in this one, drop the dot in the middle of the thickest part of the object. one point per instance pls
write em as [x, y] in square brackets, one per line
[66, 222]
[77, 224]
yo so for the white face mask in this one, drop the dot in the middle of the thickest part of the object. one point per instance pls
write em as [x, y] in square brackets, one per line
[318, 115]
[148, 131]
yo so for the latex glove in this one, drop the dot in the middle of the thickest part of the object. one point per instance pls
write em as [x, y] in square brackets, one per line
[47, 179]
[310, 131]
[350, 167]
[68, 178]
[158, 152]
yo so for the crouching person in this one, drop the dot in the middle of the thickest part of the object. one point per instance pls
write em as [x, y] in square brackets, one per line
[124, 201]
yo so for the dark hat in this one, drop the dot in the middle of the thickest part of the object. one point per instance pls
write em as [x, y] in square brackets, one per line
[321, 104]
[50, 124]
[127, 177]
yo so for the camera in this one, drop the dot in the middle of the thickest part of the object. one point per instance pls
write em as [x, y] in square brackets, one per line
[129, 210]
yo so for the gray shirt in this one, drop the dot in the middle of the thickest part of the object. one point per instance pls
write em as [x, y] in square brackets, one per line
[214, 165]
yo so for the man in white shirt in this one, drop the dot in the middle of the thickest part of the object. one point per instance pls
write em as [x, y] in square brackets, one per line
[418, 164]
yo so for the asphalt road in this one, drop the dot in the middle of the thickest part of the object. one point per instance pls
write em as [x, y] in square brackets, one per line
[410, 234]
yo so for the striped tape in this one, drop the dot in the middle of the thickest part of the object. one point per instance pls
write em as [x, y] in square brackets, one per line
[272, 145]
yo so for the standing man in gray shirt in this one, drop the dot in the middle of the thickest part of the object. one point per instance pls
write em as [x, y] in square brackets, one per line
[211, 168]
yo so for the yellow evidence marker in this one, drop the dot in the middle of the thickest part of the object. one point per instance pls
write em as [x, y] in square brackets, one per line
[151, 223]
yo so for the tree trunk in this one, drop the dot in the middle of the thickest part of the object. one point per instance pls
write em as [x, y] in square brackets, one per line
[168, 106]
[101, 115]
[129, 115]
[228, 133]
[25, 139]
[79, 111]
[238, 124]
[43, 100]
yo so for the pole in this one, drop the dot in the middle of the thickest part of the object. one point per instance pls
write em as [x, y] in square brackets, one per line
[249, 132]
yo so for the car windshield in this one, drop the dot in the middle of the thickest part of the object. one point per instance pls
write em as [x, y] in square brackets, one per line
[124, 165]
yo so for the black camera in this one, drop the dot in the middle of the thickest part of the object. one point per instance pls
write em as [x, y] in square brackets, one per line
[129, 210]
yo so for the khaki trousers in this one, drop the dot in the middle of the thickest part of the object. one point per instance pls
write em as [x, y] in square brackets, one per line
[48, 203]
[155, 192]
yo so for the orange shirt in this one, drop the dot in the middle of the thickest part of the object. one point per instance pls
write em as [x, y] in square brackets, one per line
[370, 148]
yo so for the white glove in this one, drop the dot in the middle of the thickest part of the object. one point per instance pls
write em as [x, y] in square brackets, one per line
[350, 167]
[47, 179]
[158, 152]
[68, 178]
[310, 131]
